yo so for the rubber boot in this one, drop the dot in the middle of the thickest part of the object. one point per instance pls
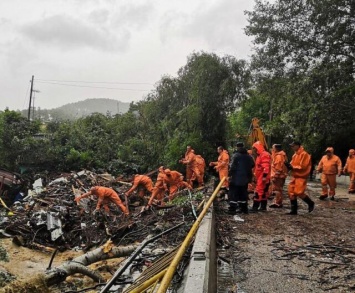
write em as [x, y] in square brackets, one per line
[263, 205]
[294, 207]
[255, 207]
[243, 208]
[310, 203]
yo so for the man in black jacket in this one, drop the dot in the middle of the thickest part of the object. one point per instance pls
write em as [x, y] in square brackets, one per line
[241, 174]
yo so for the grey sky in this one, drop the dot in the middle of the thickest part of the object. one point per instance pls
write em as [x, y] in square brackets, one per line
[108, 41]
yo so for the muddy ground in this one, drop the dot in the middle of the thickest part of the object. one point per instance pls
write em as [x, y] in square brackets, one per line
[274, 252]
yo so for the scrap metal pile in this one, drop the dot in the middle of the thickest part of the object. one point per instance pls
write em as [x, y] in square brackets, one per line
[48, 217]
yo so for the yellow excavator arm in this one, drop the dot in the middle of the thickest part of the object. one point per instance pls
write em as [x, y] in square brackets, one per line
[256, 133]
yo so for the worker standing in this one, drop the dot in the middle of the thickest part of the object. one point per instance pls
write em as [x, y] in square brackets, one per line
[278, 174]
[191, 166]
[143, 182]
[159, 188]
[262, 174]
[105, 196]
[350, 168]
[330, 167]
[222, 165]
[175, 181]
[241, 173]
[300, 166]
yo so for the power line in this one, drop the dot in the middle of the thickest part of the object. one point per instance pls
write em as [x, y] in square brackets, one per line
[88, 86]
[105, 82]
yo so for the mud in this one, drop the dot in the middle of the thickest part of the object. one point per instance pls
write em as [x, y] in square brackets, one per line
[274, 252]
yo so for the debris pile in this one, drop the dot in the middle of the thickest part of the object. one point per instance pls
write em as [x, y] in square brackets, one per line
[48, 217]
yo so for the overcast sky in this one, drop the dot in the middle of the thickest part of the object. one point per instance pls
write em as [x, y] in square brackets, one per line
[123, 46]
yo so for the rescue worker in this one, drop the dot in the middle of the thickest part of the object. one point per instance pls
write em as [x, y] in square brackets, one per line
[278, 174]
[175, 181]
[143, 183]
[350, 169]
[191, 166]
[201, 165]
[105, 196]
[330, 167]
[262, 175]
[300, 166]
[222, 165]
[159, 188]
[241, 173]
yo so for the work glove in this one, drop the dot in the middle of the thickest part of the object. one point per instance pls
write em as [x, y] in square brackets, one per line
[77, 199]
[288, 166]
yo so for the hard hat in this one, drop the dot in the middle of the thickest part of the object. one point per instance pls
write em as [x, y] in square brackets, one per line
[167, 171]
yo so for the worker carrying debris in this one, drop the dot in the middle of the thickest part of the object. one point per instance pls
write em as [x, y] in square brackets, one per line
[159, 188]
[175, 181]
[350, 169]
[143, 183]
[192, 166]
[278, 174]
[105, 196]
[222, 165]
[262, 175]
[300, 166]
[329, 166]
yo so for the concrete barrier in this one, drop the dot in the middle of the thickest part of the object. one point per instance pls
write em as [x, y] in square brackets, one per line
[201, 274]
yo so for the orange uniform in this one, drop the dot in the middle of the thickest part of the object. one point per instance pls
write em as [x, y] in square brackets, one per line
[262, 172]
[278, 176]
[192, 167]
[159, 187]
[175, 181]
[222, 165]
[142, 182]
[350, 168]
[329, 166]
[105, 196]
[301, 167]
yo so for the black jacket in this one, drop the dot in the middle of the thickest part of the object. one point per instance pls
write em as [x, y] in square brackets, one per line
[241, 168]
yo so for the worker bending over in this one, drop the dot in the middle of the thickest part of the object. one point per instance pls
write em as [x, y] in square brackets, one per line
[143, 183]
[175, 181]
[105, 196]
[159, 188]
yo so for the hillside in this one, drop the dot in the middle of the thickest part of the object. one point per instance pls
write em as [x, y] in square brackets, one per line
[81, 109]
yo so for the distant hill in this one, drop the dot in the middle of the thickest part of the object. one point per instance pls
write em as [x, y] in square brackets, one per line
[80, 109]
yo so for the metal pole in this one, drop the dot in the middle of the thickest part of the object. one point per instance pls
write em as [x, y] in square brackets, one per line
[120, 271]
[165, 283]
[30, 104]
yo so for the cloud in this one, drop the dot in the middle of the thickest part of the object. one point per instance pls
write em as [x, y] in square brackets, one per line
[219, 24]
[66, 32]
[99, 16]
[133, 15]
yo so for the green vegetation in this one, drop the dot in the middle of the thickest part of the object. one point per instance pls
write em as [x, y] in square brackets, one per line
[300, 83]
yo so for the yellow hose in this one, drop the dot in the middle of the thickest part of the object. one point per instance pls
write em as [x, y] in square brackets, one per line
[149, 282]
[175, 262]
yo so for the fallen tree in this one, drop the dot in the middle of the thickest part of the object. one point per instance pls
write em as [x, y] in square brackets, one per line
[76, 265]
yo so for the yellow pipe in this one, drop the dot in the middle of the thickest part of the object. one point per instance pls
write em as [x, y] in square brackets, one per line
[164, 285]
[148, 283]
[154, 286]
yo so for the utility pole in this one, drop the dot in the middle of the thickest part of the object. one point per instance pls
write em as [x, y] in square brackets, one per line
[30, 104]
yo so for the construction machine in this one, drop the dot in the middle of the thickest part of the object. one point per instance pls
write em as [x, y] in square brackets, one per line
[255, 133]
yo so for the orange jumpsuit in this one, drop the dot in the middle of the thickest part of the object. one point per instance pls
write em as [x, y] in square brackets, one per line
[159, 188]
[262, 172]
[142, 182]
[278, 176]
[192, 167]
[301, 167]
[350, 168]
[222, 166]
[175, 181]
[330, 167]
[105, 195]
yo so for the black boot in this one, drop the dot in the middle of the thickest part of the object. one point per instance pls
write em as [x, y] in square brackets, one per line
[263, 205]
[310, 203]
[255, 207]
[243, 208]
[294, 207]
